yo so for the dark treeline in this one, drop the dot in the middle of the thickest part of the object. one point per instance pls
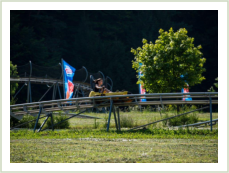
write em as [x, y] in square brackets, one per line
[101, 40]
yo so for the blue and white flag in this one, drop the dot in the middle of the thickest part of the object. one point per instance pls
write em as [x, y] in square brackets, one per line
[69, 72]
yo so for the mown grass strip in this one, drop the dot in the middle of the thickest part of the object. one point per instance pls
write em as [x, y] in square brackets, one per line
[94, 150]
[112, 134]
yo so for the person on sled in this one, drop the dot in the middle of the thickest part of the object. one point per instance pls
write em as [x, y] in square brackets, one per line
[99, 87]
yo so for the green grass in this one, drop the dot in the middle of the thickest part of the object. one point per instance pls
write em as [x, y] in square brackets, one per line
[112, 134]
[103, 150]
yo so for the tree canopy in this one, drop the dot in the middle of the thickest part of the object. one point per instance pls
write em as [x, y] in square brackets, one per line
[13, 72]
[162, 64]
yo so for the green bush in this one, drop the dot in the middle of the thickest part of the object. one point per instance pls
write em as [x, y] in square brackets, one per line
[193, 118]
[183, 120]
[56, 119]
[26, 118]
[13, 121]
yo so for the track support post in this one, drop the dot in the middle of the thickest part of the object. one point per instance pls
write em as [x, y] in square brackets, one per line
[53, 92]
[59, 91]
[116, 124]
[211, 112]
[44, 122]
[19, 90]
[38, 117]
[27, 92]
[109, 118]
[119, 126]
[30, 92]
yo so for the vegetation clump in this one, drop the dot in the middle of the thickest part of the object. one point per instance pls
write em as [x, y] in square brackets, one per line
[57, 119]
[183, 120]
[14, 122]
[162, 64]
[126, 121]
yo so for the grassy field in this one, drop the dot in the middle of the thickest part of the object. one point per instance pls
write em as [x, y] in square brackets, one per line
[93, 146]
[93, 150]
[88, 142]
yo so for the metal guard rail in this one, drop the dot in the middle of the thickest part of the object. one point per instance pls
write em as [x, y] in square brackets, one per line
[90, 102]
[206, 94]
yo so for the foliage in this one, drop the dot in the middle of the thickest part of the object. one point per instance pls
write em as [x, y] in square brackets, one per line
[184, 108]
[215, 84]
[13, 101]
[13, 72]
[26, 118]
[162, 63]
[56, 119]
[25, 44]
[13, 121]
[183, 120]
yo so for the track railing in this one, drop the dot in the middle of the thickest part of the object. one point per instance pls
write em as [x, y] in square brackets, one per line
[119, 100]
[82, 103]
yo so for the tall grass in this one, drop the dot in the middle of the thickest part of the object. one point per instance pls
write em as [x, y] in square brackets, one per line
[126, 121]
[105, 121]
[96, 124]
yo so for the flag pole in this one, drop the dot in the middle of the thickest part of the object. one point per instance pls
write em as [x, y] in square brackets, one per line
[63, 77]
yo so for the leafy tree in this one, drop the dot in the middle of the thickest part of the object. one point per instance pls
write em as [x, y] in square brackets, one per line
[163, 63]
[216, 84]
[13, 86]
[212, 88]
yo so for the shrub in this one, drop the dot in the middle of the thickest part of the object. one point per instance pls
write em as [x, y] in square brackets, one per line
[193, 118]
[26, 118]
[13, 121]
[184, 119]
[56, 119]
